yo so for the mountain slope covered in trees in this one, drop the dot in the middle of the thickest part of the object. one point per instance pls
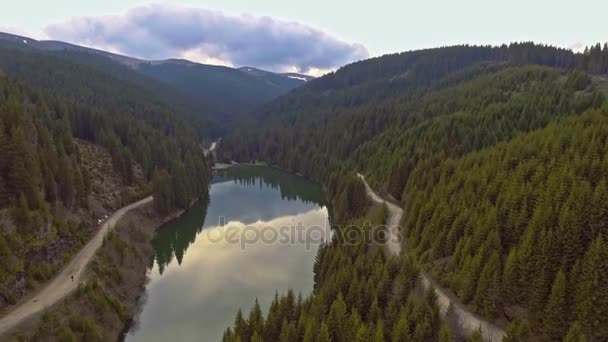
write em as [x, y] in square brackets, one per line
[215, 94]
[45, 186]
[522, 223]
[490, 155]
[356, 297]
[227, 92]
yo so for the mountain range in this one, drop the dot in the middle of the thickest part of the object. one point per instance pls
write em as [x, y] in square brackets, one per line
[218, 94]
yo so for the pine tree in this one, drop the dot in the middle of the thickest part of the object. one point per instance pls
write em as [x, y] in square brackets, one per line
[337, 320]
[571, 234]
[423, 331]
[66, 181]
[240, 326]
[23, 171]
[227, 336]
[161, 188]
[353, 325]
[310, 333]
[487, 297]
[397, 181]
[471, 273]
[256, 320]
[540, 281]
[575, 333]
[591, 300]
[374, 312]
[288, 332]
[362, 334]
[379, 333]
[511, 278]
[273, 322]
[323, 333]
[555, 318]
[401, 329]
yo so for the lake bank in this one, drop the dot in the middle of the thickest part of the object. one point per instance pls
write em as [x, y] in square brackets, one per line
[106, 300]
[116, 290]
[200, 280]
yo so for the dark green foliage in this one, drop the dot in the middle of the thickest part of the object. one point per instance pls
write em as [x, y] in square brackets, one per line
[222, 91]
[487, 297]
[595, 59]
[256, 320]
[517, 331]
[501, 168]
[39, 171]
[355, 297]
[349, 197]
[555, 318]
[388, 139]
[575, 334]
[337, 320]
[539, 175]
[129, 120]
[211, 96]
[375, 79]
[44, 185]
[591, 293]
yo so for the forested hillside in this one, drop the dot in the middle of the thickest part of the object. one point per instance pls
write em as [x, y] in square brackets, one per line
[39, 170]
[394, 75]
[357, 297]
[46, 102]
[500, 173]
[227, 93]
[213, 96]
[522, 223]
[129, 121]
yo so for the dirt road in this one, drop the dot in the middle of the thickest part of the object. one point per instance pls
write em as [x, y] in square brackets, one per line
[63, 283]
[468, 321]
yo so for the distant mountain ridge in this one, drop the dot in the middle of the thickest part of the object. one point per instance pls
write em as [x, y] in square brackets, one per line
[221, 93]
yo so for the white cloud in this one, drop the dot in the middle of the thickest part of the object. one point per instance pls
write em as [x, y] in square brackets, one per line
[164, 31]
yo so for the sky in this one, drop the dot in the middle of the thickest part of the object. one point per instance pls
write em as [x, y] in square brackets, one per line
[312, 36]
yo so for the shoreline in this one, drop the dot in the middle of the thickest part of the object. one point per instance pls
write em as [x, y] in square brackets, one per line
[128, 324]
[114, 326]
[132, 234]
[69, 277]
[224, 166]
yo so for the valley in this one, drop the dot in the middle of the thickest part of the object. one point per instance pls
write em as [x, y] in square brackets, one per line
[457, 193]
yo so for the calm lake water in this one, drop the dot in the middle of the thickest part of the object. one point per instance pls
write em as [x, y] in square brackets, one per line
[246, 244]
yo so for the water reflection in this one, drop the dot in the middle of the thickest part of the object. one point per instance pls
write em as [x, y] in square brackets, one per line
[290, 188]
[197, 284]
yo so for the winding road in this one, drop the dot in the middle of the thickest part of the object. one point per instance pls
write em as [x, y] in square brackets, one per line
[467, 320]
[63, 284]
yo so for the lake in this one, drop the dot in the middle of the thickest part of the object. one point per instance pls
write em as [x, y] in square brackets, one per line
[258, 234]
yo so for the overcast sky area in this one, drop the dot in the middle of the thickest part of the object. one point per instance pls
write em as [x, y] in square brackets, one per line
[310, 36]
